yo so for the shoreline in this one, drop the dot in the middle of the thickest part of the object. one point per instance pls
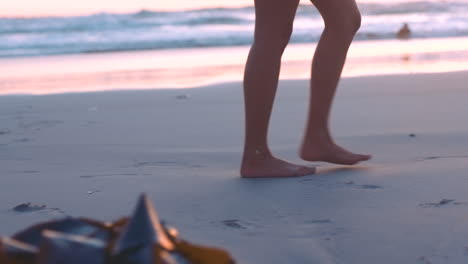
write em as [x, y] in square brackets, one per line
[184, 92]
[198, 67]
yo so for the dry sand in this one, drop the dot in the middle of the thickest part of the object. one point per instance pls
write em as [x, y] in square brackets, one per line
[92, 154]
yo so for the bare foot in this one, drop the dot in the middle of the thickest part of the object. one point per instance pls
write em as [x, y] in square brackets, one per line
[267, 166]
[330, 152]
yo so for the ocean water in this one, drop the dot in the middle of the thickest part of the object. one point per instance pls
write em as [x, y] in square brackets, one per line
[215, 27]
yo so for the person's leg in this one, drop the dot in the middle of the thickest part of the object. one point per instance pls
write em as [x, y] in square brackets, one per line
[273, 27]
[342, 20]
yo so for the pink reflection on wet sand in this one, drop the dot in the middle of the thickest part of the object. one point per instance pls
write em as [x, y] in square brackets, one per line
[195, 67]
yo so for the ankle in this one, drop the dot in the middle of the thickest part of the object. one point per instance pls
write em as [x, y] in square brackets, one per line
[317, 136]
[255, 154]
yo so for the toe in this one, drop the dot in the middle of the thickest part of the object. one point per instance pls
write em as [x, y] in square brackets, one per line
[359, 158]
[365, 157]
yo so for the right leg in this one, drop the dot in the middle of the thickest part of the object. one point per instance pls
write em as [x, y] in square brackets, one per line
[273, 28]
[342, 20]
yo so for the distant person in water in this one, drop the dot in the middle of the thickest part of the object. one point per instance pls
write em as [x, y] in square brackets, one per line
[273, 28]
[404, 32]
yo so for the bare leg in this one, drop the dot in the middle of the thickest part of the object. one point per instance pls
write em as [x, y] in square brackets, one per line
[273, 27]
[342, 20]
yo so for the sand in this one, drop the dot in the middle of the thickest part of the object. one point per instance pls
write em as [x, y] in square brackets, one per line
[91, 154]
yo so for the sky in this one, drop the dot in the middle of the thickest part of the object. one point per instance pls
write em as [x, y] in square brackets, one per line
[78, 7]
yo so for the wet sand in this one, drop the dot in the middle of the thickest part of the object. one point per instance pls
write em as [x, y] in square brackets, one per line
[187, 68]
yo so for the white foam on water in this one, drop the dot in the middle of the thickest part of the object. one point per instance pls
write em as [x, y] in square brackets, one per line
[214, 27]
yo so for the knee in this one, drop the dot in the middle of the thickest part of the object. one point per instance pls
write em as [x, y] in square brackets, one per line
[356, 22]
[346, 24]
[284, 37]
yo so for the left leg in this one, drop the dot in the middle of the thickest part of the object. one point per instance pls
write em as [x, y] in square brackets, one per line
[273, 28]
[342, 20]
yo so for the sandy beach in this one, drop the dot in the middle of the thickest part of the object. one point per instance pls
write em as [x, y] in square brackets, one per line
[91, 154]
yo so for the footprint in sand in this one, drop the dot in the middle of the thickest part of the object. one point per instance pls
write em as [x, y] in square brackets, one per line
[338, 231]
[165, 164]
[93, 192]
[444, 157]
[233, 223]
[364, 186]
[22, 140]
[443, 202]
[114, 175]
[237, 224]
[370, 186]
[31, 171]
[351, 184]
[182, 96]
[90, 123]
[319, 221]
[424, 260]
[4, 132]
[156, 164]
[38, 125]
[29, 208]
